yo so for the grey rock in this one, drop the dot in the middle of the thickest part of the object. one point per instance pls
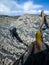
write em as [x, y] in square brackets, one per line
[10, 48]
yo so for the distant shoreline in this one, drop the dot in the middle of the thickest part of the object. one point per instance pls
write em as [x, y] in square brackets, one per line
[18, 15]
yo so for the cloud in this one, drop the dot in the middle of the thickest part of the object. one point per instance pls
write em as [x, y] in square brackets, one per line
[11, 7]
[4, 9]
[46, 12]
[29, 5]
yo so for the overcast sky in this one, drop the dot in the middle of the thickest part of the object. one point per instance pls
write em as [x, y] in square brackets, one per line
[20, 7]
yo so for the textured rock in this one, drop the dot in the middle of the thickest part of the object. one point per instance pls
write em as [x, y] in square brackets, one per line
[28, 25]
[10, 48]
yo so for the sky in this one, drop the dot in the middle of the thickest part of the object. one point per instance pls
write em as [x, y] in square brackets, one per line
[20, 7]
